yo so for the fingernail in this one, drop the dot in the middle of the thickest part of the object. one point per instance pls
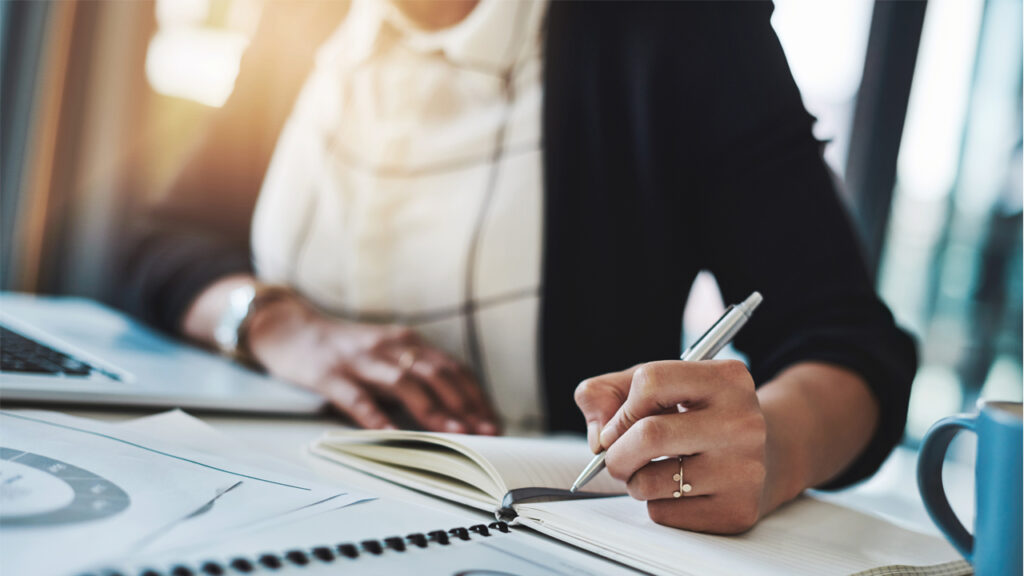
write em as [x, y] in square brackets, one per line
[452, 425]
[487, 428]
[389, 427]
[592, 436]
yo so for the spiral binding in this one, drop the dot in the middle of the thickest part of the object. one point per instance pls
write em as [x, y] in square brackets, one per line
[322, 554]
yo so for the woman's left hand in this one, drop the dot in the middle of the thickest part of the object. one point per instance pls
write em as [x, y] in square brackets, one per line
[721, 435]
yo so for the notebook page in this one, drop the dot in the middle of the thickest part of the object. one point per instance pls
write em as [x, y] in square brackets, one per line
[538, 462]
[426, 482]
[805, 537]
[519, 462]
[437, 461]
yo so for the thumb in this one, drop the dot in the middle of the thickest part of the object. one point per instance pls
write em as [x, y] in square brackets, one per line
[599, 398]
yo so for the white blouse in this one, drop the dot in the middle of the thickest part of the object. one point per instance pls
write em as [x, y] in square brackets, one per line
[406, 187]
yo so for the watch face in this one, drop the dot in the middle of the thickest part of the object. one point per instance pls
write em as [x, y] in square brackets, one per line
[40, 491]
[226, 332]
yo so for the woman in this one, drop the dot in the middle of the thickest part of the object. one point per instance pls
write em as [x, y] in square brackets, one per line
[529, 190]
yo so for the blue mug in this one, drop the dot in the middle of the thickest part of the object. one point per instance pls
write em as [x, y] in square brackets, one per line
[995, 547]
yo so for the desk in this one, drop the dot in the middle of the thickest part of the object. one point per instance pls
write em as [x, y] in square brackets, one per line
[892, 493]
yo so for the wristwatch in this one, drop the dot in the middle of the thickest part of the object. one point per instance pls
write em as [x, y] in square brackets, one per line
[233, 325]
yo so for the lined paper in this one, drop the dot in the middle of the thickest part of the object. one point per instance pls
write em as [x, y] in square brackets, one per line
[807, 536]
[540, 462]
[510, 462]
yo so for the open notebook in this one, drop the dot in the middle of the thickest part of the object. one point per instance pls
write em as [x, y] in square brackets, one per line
[493, 474]
[500, 474]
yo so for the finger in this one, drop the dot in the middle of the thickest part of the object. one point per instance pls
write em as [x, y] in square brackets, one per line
[386, 379]
[460, 393]
[461, 397]
[478, 406]
[659, 480]
[423, 406]
[479, 410]
[488, 421]
[659, 387]
[351, 400]
[599, 398]
[705, 473]
[427, 370]
[715, 514]
[666, 435]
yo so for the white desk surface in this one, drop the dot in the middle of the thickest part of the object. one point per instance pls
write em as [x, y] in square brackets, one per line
[891, 493]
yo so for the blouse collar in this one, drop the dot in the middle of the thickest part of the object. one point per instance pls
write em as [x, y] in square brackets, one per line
[491, 36]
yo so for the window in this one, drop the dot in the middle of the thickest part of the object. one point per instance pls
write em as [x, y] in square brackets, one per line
[951, 268]
[825, 44]
[197, 47]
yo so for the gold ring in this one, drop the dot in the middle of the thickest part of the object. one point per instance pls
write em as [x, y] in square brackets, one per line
[684, 488]
[407, 360]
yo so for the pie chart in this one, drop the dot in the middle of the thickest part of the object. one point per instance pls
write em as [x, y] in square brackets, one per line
[36, 491]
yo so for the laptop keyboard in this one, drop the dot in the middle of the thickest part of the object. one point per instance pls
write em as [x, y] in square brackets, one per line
[21, 354]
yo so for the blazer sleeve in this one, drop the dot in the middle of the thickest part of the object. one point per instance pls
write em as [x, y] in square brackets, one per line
[199, 231]
[772, 221]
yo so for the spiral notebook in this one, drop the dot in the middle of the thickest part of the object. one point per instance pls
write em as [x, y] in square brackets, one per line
[506, 475]
[335, 555]
[379, 537]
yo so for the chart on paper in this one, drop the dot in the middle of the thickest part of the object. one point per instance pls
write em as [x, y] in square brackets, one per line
[95, 492]
[40, 491]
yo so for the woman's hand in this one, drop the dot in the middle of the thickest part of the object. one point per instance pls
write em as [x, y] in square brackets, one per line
[721, 434]
[360, 368]
[745, 453]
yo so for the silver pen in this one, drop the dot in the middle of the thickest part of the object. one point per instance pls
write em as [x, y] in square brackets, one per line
[717, 337]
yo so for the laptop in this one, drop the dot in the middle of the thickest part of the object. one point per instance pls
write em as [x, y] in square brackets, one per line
[77, 351]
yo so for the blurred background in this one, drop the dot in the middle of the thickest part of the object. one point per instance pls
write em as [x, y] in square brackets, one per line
[919, 102]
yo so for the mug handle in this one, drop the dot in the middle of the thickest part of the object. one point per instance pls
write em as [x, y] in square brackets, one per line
[929, 481]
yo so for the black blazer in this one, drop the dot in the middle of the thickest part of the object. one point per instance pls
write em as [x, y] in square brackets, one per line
[675, 140]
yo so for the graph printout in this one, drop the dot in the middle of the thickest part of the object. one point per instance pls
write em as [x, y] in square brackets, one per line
[74, 492]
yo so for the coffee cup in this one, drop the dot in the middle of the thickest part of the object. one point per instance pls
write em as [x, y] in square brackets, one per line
[994, 548]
